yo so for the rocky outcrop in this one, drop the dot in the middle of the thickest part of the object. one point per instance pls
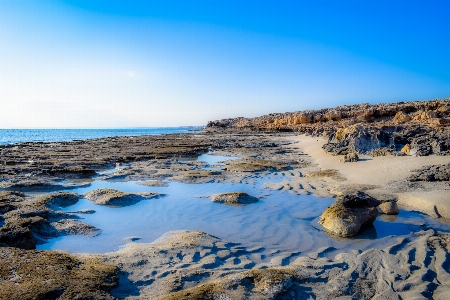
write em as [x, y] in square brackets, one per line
[234, 198]
[431, 173]
[418, 112]
[36, 219]
[363, 128]
[117, 198]
[348, 213]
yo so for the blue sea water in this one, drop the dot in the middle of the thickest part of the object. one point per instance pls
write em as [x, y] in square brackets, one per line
[12, 136]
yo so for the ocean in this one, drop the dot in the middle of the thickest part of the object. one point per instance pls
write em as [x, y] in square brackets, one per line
[13, 136]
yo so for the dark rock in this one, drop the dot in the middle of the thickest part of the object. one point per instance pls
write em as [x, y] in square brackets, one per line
[431, 173]
[16, 236]
[350, 157]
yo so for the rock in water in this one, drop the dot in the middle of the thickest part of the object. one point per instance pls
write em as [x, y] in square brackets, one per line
[235, 198]
[348, 213]
[117, 198]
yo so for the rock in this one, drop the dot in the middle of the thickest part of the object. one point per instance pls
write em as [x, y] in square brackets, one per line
[9, 200]
[431, 173]
[426, 115]
[131, 239]
[74, 227]
[358, 199]
[401, 117]
[350, 157]
[358, 139]
[348, 213]
[16, 236]
[234, 198]
[406, 149]
[117, 198]
[389, 208]
[60, 199]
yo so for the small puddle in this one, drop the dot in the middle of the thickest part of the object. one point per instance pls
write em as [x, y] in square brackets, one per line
[214, 162]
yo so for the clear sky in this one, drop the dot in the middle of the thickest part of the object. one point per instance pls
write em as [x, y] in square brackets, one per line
[142, 63]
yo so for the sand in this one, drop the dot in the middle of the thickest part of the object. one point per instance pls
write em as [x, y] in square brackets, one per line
[382, 176]
[196, 265]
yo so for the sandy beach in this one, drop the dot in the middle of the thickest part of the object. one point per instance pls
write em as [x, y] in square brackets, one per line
[270, 246]
[382, 175]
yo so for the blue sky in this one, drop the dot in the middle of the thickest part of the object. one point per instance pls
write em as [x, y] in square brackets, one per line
[81, 64]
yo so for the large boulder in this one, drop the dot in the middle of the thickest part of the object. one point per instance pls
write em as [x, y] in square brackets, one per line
[357, 138]
[348, 213]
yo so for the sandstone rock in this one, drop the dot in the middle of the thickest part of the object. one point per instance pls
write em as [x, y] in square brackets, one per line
[401, 117]
[426, 115]
[113, 197]
[348, 213]
[236, 198]
[406, 149]
[389, 208]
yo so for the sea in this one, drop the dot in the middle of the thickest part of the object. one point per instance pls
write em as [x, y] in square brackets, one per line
[14, 136]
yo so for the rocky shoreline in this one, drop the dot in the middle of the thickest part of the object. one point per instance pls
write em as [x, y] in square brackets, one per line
[396, 156]
[416, 128]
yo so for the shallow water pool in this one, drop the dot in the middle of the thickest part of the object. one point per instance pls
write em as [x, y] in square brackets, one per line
[279, 222]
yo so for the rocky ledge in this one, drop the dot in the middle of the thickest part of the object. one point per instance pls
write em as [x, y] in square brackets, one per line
[417, 128]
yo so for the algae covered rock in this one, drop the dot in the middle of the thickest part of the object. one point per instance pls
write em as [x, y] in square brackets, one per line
[61, 199]
[30, 274]
[234, 198]
[348, 213]
[117, 198]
